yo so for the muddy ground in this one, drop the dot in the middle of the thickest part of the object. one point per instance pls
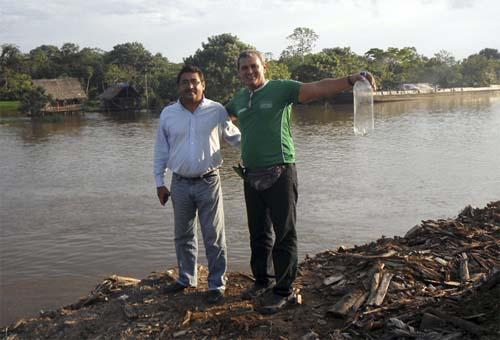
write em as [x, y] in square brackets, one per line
[440, 281]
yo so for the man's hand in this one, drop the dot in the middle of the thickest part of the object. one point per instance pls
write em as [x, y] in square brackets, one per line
[364, 75]
[163, 194]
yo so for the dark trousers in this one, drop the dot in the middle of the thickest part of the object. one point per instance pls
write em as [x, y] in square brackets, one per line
[268, 210]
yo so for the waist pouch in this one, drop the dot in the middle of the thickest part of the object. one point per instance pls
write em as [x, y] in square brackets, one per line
[263, 179]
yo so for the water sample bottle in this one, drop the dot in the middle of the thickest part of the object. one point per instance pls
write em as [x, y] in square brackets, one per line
[364, 122]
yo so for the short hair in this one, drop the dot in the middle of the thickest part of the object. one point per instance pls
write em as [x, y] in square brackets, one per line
[250, 53]
[190, 69]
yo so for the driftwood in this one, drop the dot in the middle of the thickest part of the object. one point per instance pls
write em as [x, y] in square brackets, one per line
[382, 289]
[458, 322]
[464, 268]
[437, 261]
[343, 306]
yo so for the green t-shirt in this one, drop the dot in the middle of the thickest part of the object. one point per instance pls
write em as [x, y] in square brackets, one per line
[264, 120]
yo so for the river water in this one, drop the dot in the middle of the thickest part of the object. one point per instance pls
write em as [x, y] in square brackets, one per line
[78, 201]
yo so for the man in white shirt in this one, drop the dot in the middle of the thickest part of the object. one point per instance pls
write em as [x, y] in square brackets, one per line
[187, 143]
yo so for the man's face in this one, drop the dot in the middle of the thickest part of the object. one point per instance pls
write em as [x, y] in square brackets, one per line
[191, 88]
[251, 72]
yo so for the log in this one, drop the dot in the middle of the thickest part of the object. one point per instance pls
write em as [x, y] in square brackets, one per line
[332, 279]
[373, 288]
[464, 268]
[342, 307]
[359, 302]
[371, 257]
[456, 321]
[126, 281]
[382, 289]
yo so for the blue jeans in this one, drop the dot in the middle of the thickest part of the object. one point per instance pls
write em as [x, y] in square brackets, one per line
[202, 197]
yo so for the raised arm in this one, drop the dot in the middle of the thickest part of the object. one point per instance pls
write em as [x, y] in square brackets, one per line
[329, 87]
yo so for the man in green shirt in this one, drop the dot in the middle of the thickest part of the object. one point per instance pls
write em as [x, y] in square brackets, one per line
[263, 111]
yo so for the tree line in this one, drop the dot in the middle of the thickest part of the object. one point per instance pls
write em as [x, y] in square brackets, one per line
[132, 63]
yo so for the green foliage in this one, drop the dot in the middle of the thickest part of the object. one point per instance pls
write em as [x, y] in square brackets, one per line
[33, 101]
[153, 76]
[394, 66]
[15, 85]
[478, 70]
[442, 70]
[302, 42]
[217, 59]
[277, 70]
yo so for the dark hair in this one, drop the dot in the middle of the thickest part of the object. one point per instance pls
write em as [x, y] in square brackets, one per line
[190, 69]
[250, 53]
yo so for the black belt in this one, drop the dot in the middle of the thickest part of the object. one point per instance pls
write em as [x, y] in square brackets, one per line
[207, 175]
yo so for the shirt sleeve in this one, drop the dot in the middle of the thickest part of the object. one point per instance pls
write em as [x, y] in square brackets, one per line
[230, 109]
[292, 90]
[230, 132]
[161, 154]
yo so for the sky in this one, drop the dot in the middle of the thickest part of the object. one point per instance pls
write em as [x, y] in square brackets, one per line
[177, 28]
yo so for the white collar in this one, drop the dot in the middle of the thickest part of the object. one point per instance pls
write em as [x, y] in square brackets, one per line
[260, 87]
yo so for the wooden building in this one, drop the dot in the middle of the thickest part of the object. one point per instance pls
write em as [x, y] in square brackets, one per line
[120, 97]
[67, 95]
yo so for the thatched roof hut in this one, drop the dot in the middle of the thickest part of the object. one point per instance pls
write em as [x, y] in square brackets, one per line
[67, 94]
[62, 88]
[121, 96]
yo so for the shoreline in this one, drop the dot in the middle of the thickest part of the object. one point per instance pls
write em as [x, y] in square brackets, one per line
[408, 95]
[418, 285]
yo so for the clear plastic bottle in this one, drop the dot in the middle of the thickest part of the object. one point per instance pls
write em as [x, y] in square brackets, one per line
[364, 122]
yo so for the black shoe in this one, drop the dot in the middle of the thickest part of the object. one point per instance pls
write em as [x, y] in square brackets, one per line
[214, 296]
[272, 303]
[255, 291]
[173, 288]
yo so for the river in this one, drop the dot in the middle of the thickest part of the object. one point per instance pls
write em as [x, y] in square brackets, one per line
[78, 202]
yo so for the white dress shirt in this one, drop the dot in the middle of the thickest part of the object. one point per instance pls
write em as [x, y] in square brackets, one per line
[188, 143]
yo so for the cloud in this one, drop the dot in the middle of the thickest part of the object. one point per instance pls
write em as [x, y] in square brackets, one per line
[460, 4]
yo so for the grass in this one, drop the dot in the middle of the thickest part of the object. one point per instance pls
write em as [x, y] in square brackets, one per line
[9, 105]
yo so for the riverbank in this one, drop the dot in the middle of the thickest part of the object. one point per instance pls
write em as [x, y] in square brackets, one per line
[389, 96]
[406, 95]
[439, 281]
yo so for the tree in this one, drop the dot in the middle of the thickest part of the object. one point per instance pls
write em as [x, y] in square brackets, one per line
[394, 66]
[303, 40]
[119, 74]
[217, 59]
[33, 101]
[442, 70]
[316, 66]
[162, 81]
[478, 70]
[130, 55]
[45, 62]
[277, 70]
[91, 70]
[490, 53]
[12, 59]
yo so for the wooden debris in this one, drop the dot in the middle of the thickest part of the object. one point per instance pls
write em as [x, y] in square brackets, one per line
[343, 306]
[332, 279]
[440, 281]
[464, 267]
[458, 322]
